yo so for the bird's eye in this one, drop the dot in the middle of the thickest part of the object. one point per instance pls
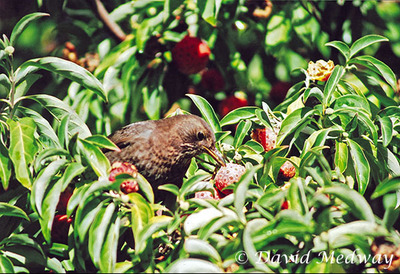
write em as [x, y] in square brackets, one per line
[200, 136]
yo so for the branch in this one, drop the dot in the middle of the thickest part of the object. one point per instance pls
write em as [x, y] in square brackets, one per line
[111, 25]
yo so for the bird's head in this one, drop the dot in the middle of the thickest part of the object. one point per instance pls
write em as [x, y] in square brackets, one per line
[197, 137]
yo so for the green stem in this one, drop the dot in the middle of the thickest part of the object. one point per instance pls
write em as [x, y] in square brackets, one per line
[13, 88]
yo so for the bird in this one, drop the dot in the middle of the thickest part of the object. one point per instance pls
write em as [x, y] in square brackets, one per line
[162, 150]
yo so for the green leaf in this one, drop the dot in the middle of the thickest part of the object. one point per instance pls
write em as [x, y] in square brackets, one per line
[22, 148]
[85, 215]
[352, 100]
[361, 165]
[342, 47]
[22, 24]
[108, 255]
[339, 236]
[191, 265]
[199, 219]
[207, 111]
[202, 248]
[71, 71]
[145, 188]
[59, 109]
[387, 130]
[52, 197]
[48, 155]
[95, 158]
[293, 122]
[41, 184]
[248, 244]
[362, 116]
[341, 155]
[44, 127]
[102, 141]
[317, 138]
[241, 132]
[5, 166]
[14, 211]
[387, 186]
[192, 185]
[331, 84]
[62, 130]
[364, 42]
[156, 224]
[98, 231]
[141, 213]
[238, 114]
[375, 64]
[6, 266]
[241, 191]
[359, 207]
[313, 92]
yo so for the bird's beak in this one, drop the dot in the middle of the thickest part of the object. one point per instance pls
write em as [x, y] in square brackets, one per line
[215, 155]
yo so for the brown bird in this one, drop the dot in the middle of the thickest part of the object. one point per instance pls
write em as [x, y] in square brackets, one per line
[162, 149]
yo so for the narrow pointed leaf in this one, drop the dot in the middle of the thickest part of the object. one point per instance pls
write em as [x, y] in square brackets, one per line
[361, 165]
[331, 84]
[14, 211]
[22, 24]
[356, 202]
[22, 148]
[70, 71]
[364, 42]
[342, 47]
[5, 166]
[207, 111]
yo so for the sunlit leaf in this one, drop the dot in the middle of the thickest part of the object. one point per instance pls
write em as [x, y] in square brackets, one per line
[200, 247]
[22, 148]
[361, 165]
[22, 24]
[342, 47]
[375, 64]
[71, 71]
[293, 121]
[5, 166]
[42, 182]
[241, 132]
[241, 191]
[59, 109]
[387, 130]
[354, 200]
[14, 211]
[207, 111]
[364, 42]
[331, 84]
[238, 114]
[187, 265]
[341, 154]
[95, 158]
[387, 186]
[98, 232]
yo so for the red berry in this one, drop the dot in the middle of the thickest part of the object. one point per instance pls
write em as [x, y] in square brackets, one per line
[279, 90]
[285, 205]
[212, 80]
[265, 136]
[60, 227]
[129, 185]
[207, 195]
[64, 198]
[231, 103]
[228, 175]
[191, 55]
[287, 171]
